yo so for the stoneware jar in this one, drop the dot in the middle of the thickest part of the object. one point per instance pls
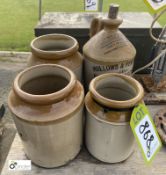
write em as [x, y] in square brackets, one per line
[109, 104]
[47, 106]
[108, 50]
[57, 49]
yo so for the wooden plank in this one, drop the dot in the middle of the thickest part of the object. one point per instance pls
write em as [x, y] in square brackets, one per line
[85, 164]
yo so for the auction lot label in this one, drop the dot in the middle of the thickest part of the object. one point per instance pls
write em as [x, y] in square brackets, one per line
[91, 5]
[156, 5]
[145, 132]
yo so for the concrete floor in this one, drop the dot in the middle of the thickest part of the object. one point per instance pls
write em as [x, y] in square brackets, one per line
[10, 65]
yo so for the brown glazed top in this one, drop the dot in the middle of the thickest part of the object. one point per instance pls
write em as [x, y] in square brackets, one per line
[55, 49]
[104, 104]
[105, 113]
[74, 61]
[42, 109]
[117, 104]
[54, 46]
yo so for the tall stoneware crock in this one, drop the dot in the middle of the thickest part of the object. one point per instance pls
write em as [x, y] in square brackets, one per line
[109, 105]
[47, 104]
[108, 50]
[57, 49]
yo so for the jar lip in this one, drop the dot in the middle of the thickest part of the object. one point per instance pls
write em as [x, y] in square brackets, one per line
[46, 98]
[58, 53]
[115, 103]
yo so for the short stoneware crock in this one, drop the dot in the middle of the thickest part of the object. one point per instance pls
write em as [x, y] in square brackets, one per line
[109, 105]
[57, 49]
[47, 106]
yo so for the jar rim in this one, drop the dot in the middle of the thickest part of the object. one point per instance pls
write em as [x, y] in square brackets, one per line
[46, 98]
[52, 54]
[111, 103]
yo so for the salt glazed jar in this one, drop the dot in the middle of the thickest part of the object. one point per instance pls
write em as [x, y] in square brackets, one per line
[108, 50]
[47, 105]
[57, 49]
[109, 105]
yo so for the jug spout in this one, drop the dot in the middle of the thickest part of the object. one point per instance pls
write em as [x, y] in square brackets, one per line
[113, 11]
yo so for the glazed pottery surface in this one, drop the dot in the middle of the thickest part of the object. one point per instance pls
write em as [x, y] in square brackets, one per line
[108, 50]
[47, 106]
[109, 105]
[57, 49]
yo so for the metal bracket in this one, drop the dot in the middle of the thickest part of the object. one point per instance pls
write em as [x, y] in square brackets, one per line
[40, 9]
[159, 67]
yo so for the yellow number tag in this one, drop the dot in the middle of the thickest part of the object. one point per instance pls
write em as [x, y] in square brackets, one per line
[145, 132]
[155, 5]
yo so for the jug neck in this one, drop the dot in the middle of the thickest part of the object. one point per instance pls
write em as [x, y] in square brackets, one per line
[106, 24]
[111, 24]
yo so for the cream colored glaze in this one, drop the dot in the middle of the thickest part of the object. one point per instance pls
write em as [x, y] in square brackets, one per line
[54, 144]
[108, 142]
[108, 134]
[92, 69]
[50, 125]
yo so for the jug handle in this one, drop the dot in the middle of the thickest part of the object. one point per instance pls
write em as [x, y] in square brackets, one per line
[96, 26]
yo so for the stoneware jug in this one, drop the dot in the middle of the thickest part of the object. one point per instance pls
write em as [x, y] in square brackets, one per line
[109, 104]
[57, 49]
[108, 50]
[47, 103]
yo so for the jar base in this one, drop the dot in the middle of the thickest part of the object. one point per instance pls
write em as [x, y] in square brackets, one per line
[57, 165]
[108, 161]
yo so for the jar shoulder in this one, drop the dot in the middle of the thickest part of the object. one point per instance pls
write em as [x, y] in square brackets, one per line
[47, 113]
[72, 61]
[109, 47]
[107, 114]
